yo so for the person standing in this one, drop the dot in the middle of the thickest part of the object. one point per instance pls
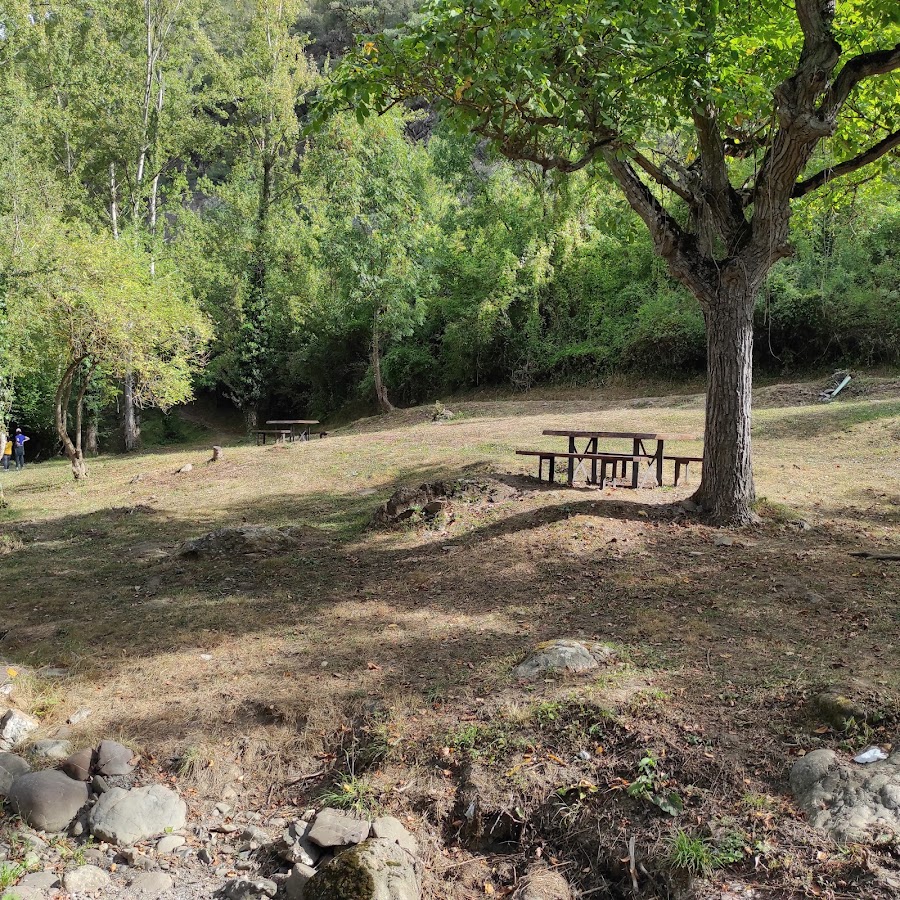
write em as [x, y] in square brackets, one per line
[7, 451]
[19, 448]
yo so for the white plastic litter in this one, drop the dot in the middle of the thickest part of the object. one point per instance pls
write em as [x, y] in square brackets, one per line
[870, 755]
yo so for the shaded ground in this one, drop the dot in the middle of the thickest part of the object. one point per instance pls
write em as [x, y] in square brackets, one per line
[404, 640]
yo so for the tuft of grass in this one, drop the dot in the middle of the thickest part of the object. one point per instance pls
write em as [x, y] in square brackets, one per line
[352, 793]
[191, 762]
[10, 873]
[691, 854]
[756, 801]
[777, 513]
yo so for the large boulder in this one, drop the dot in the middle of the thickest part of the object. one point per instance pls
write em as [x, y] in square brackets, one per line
[852, 802]
[564, 655]
[125, 817]
[378, 869]
[48, 800]
[11, 766]
[333, 828]
[15, 726]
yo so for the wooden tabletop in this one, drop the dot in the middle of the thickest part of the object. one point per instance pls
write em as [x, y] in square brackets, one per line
[635, 435]
[292, 421]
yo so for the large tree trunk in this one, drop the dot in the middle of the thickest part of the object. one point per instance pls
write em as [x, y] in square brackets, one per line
[251, 417]
[726, 490]
[381, 396]
[131, 424]
[63, 393]
[91, 444]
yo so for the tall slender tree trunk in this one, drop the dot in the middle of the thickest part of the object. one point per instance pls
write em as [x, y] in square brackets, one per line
[61, 405]
[726, 490]
[113, 201]
[381, 395]
[91, 443]
[132, 426]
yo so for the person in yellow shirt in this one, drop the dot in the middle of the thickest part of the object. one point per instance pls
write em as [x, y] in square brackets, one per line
[7, 453]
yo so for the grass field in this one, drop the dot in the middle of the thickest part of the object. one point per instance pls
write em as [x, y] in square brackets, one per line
[379, 660]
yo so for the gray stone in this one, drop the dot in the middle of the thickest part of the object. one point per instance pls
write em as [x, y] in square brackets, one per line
[79, 716]
[853, 803]
[11, 766]
[150, 885]
[49, 748]
[15, 726]
[24, 893]
[41, 881]
[392, 829]
[187, 467]
[169, 844]
[85, 879]
[379, 869]
[295, 845]
[255, 837]
[99, 784]
[564, 656]
[78, 765]
[125, 817]
[295, 883]
[205, 856]
[114, 759]
[332, 828]
[248, 889]
[47, 800]
[543, 884]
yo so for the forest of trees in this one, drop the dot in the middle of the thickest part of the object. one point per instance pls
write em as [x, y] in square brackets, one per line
[169, 224]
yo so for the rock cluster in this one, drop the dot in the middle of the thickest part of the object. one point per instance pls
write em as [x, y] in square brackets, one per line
[428, 499]
[339, 856]
[242, 539]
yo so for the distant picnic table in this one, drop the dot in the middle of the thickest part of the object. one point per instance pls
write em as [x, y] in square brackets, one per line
[289, 430]
[641, 459]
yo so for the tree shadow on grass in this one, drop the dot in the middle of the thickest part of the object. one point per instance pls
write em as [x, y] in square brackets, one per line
[825, 420]
[348, 614]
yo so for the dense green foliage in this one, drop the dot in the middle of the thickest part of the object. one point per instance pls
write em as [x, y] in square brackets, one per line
[199, 208]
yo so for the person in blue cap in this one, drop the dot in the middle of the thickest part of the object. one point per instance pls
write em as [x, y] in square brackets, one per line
[19, 448]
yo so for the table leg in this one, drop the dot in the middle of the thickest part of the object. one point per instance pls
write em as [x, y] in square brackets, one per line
[593, 449]
[659, 463]
[635, 462]
[572, 461]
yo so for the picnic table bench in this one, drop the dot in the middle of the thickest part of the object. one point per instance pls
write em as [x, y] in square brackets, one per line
[262, 433]
[640, 455]
[296, 433]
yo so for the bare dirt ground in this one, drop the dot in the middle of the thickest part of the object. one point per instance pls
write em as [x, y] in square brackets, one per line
[376, 663]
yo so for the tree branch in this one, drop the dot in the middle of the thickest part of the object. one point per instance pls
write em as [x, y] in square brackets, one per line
[660, 177]
[855, 70]
[720, 201]
[802, 188]
[678, 248]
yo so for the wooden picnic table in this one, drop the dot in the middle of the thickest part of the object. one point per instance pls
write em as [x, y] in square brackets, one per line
[292, 424]
[639, 451]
